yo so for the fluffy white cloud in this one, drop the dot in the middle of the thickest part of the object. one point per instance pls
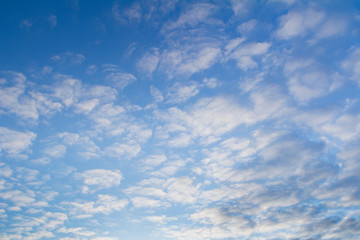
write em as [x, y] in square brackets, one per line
[68, 90]
[122, 150]
[182, 92]
[154, 160]
[188, 61]
[244, 53]
[87, 106]
[308, 81]
[346, 127]
[196, 14]
[149, 62]
[105, 204]
[56, 151]
[5, 170]
[141, 202]
[182, 190]
[14, 142]
[21, 199]
[299, 23]
[101, 178]
[14, 99]
[120, 80]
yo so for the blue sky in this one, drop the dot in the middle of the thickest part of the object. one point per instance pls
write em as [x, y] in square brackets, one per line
[179, 120]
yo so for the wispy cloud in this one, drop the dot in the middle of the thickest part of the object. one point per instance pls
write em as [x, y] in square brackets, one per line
[69, 58]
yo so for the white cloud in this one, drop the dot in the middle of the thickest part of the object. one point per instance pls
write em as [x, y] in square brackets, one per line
[56, 151]
[69, 138]
[42, 160]
[141, 202]
[209, 117]
[156, 94]
[296, 23]
[308, 81]
[182, 190]
[170, 168]
[14, 142]
[331, 27]
[205, 58]
[244, 53]
[69, 58]
[181, 140]
[132, 14]
[105, 204]
[21, 199]
[5, 170]
[182, 92]
[235, 143]
[122, 150]
[154, 160]
[196, 14]
[188, 61]
[346, 127]
[14, 99]
[105, 116]
[77, 231]
[240, 7]
[120, 80]
[68, 90]
[309, 85]
[153, 191]
[211, 82]
[247, 26]
[149, 62]
[159, 219]
[101, 178]
[352, 64]
[86, 106]
[27, 174]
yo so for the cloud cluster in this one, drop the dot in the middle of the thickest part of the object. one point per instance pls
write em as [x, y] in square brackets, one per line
[227, 124]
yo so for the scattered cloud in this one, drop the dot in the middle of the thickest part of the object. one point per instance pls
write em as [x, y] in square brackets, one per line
[120, 80]
[299, 23]
[306, 81]
[223, 123]
[182, 92]
[351, 63]
[14, 142]
[196, 14]
[244, 53]
[105, 204]
[69, 58]
[149, 62]
[156, 94]
[101, 178]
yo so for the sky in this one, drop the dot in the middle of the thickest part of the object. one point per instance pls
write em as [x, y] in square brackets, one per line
[179, 120]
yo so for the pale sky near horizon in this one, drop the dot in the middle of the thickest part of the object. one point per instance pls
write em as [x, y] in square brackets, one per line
[179, 120]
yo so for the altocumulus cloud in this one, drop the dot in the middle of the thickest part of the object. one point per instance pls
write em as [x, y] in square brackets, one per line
[178, 120]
